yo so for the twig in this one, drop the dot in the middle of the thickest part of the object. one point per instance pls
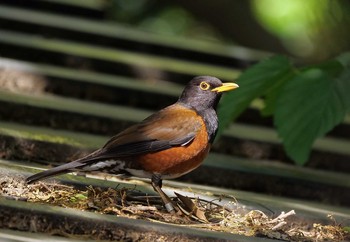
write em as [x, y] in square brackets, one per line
[279, 225]
[282, 216]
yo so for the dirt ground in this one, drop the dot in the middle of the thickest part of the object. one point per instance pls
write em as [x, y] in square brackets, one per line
[193, 212]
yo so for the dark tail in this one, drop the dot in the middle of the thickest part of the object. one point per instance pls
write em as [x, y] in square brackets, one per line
[69, 167]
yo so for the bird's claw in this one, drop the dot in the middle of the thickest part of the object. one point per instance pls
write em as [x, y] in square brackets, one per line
[170, 208]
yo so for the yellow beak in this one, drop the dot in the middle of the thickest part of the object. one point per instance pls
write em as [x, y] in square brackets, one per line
[228, 86]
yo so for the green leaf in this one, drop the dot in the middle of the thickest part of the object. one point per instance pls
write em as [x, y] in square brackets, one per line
[253, 83]
[343, 80]
[343, 87]
[332, 67]
[273, 94]
[344, 59]
[309, 106]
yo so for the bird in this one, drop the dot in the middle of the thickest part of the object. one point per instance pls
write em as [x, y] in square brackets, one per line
[166, 145]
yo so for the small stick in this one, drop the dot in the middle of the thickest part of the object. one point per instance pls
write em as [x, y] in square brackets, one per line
[282, 216]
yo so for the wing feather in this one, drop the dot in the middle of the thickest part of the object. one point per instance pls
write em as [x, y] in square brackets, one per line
[172, 126]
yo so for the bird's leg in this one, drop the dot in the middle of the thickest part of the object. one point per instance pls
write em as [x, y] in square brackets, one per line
[157, 184]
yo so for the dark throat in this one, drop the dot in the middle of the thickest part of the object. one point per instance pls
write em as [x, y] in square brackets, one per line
[211, 122]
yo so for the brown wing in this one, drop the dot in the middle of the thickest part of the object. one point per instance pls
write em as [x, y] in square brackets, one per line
[173, 126]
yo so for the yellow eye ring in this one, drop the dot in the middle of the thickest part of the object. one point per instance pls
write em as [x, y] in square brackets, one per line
[204, 85]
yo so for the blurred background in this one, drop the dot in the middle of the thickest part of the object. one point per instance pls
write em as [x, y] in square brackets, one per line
[310, 30]
[75, 72]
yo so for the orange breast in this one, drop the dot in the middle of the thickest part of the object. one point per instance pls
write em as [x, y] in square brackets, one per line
[177, 161]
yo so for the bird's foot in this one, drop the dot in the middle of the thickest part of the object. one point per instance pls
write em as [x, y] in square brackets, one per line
[170, 208]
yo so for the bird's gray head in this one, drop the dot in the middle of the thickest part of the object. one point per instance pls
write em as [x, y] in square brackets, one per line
[204, 92]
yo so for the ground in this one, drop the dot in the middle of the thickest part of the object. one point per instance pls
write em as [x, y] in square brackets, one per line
[196, 212]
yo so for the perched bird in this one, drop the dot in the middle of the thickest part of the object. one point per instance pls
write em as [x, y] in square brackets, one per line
[167, 144]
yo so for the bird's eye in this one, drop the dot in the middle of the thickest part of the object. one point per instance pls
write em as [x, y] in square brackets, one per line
[204, 86]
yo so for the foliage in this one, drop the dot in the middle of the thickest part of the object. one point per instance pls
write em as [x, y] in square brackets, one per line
[305, 102]
[300, 25]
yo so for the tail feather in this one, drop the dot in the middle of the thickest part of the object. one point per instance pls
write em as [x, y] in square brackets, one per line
[69, 167]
